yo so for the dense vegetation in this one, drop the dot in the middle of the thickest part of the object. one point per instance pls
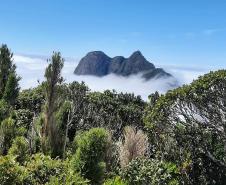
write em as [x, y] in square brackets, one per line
[60, 133]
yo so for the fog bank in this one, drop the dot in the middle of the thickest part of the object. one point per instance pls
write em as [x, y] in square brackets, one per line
[32, 68]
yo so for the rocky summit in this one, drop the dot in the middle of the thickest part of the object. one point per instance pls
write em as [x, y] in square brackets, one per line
[97, 63]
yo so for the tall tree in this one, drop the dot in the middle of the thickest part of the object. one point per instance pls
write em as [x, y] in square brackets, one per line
[52, 95]
[9, 87]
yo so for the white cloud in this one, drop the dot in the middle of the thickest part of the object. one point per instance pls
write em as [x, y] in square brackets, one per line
[133, 84]
[186, 74]
[31, 69]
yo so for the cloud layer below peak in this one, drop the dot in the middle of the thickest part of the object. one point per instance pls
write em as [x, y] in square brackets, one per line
[32, 69]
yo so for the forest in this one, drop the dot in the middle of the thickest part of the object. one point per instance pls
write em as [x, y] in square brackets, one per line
[64, 133]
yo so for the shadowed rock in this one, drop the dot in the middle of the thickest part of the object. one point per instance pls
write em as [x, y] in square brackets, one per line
[99, 64]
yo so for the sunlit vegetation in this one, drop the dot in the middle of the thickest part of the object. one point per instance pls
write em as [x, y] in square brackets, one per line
[60, 133]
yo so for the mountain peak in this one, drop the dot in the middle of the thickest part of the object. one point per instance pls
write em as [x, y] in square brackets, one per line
[97, 63]
[136, 54]
[97, 53]
[94, 63]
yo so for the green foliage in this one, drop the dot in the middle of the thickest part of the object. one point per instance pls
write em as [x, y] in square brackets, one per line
[24, 118]
[52, 89]
[110, 110]
[7, 134]
[38, 170]
[62, 116]
[44, 170]
[184, 126]
[4, 110]
[11, 172]
[9, 87]
[68, 177]
[20, 149]
[8, 131]
[89, 158]
[113, 111]
[6, 67]
[150, 171]
[76, 100]
[115, 181]
[67, 180]
[41, 168]
[31, 99]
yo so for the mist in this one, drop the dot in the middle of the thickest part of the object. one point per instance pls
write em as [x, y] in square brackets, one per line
[32, 68]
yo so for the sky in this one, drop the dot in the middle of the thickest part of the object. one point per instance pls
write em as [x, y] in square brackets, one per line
[169, 32]
[188, 36]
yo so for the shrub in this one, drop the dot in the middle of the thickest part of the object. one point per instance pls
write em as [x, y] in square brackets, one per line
[11, 172]
[12, 88]
[31, 99]
[4, 110]
[112, 160]
[115, 181]
[19, 149]
[135, 145]
[68, 177]
[42, 167]
[7, 134]
[150, 171]
[23, 118]
[89, 158]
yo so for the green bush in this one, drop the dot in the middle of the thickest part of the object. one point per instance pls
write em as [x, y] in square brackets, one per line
[31, 99]
[41, 168]
[68, 177]
[20, 149]
[23, 118]
[4, 110]
[11, 172]
[7, 134]
[150, 171]
[12, 88]
[90, 155]
[115, 181]
[38, 170]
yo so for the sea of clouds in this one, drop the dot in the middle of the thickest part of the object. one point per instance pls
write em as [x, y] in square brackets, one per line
[32, 68]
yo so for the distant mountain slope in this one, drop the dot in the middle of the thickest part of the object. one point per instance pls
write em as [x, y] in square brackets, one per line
[99, 64]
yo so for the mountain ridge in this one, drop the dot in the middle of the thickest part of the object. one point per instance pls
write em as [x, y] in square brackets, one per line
[97, 63]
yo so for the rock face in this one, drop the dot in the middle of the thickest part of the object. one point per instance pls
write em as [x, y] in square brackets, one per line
[94, 63]
[99, 64]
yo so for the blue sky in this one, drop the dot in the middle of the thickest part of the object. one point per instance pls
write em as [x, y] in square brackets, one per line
[169, 32]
